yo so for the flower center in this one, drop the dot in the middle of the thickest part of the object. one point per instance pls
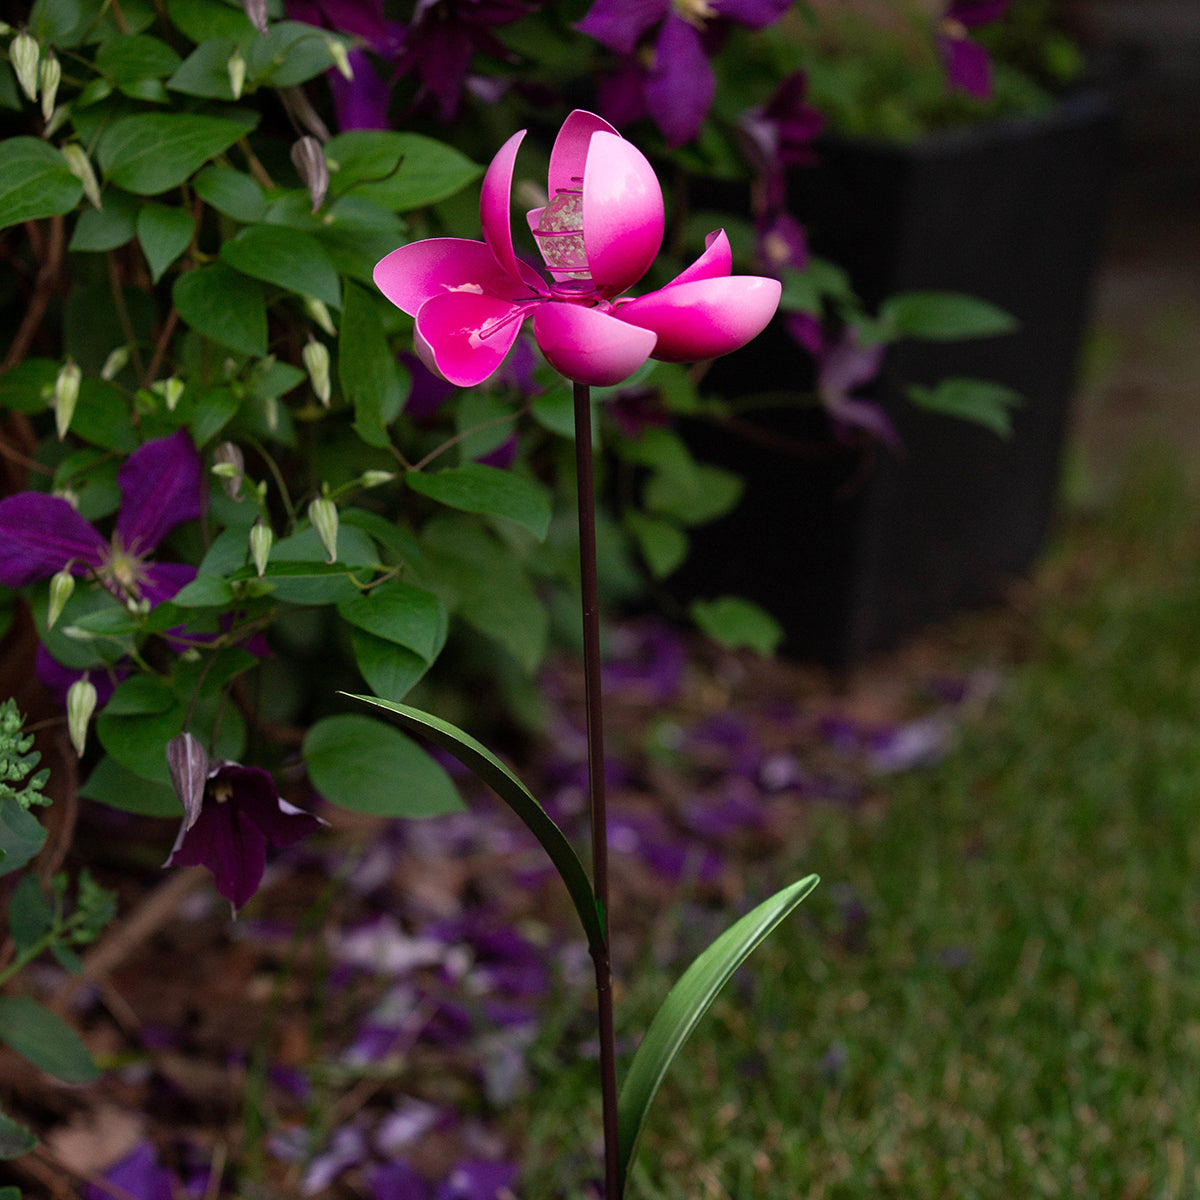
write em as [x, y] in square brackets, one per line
[122, 571]
[559, 235]
[694, 12]
[222, 793]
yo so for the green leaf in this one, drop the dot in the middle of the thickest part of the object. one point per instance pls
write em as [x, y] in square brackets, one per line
[231, 192]
[401, 171]
[983, 401]
[35, 181]
[200, 19]
[205, 72]
[369, 767]
[477, 488]
[164, 233]
[222, 305]
[291, 52]
[663, 544]
[685, 1004]
[693, 494]
[108, 227]
[138, 722]
[391, 670]
[102, 416]
[21, 835]
[15, 1141]
[736, 623]
[402, 613]
[135, 56]
[287, 258]
[30, 916]
[943, 317]
[150, 152]
[46, 1040]
[123, 789]
[367, 369]
[486, 767]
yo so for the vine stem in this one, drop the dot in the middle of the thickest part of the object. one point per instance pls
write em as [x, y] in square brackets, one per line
[594, 712]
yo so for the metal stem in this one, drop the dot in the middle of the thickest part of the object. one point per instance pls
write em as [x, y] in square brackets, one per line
[595, 754]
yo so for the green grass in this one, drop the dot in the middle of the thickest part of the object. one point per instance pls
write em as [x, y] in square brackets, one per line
[1017, 1012]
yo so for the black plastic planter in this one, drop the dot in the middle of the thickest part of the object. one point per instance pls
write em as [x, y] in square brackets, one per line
[852, 550]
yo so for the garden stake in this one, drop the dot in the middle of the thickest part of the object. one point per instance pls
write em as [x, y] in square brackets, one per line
[594, 712]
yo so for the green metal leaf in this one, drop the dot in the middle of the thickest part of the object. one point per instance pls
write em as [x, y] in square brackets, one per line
[34, 181]
[685, 1004]
[478, 759]
[45, 1039]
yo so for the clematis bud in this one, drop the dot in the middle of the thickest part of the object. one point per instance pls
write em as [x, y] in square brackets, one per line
[62, 584]
[55, 120]
[230, 467]
[375, 478]
[309, 161]
[256, 11]
[341, 59]
[114, 364]
[170, 390]
[188, 765]
[320, 313]
[80, 166]
[23, 53]
[261, 540]
[66, 394]
[323, 514]
[236, 69]
[50, 75]
[81, 703]
[316, 362]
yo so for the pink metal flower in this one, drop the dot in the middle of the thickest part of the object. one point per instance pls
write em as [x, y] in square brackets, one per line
[598, 234]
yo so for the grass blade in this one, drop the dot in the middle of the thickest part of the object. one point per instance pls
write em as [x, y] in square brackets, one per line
[686, 1003]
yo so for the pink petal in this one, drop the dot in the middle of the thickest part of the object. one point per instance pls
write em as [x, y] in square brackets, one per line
[589, 346]
[494, 204]
[622, 213]
[568, 158]
[706, 317]
[421, 270]
[450, 329]
[714, 263]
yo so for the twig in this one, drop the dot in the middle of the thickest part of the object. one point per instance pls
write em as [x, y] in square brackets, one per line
[43, 289]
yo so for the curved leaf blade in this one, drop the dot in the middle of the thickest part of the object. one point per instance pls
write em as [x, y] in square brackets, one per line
[478, 759]
[685, 1004]
[35, 182]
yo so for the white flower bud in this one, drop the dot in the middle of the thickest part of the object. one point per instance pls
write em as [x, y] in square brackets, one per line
[50, 75]
[55, 120]
[66, 394]
[341, 60]
[309, 160]
[62, 584]
[81, 703]
[188, 765]
[316, 362]
[114, 364]
[80, 166]
[230, 467]
[23, 53]
[256, 11]
[262, 538]
[372, 479]
[320, 313]
[236, 67]
[323, 514]
[169, 389]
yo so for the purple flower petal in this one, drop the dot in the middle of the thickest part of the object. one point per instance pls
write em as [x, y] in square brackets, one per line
[230, 845]
[754, 14]
[976, 12]
[619, 24]
[398, 1181]
[161, 581]
[681, 84]
[139, 1175]
[160, 486]
[967, 66]
[361, 102]
[40, 535]
[477, 1180]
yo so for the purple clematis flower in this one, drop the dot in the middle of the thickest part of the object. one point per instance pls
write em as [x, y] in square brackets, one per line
[160, 486]
[844, 366]
[230, 815]
[677, 88]
[966, 61]
[598, 235]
